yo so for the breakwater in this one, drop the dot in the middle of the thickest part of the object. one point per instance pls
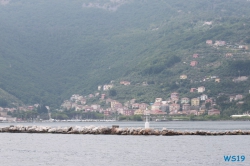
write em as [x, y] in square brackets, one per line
[114, 130]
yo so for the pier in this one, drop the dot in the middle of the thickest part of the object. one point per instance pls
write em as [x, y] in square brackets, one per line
[114, 130]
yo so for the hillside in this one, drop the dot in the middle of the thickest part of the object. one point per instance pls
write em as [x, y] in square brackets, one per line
[50, 50]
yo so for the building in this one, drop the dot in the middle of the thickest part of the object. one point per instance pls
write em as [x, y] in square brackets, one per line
[193, 90]
[210, 100]
[195, 102]
[143, 106]
[238, 97]
[214, 112]
[219, 43]
[107, 113]
[157, 112]
[156, 106]
[174, 96]
[107, 87]
[239, 79]
[193, 63]
[229, 55]
[103, 96]
[193, 112]
[113, 103]
[174, 108]
[128, 112]
[185, 107]
[99, 87]
[203, 97]
[195, 55]
[185, 100]
[241, 46]
[231, 98]
[201, 89]
[209, 42]
[135, 106]
[125, 83]
[158, 100]
[183, 77]
[217, 80]
[139, 112]
[95, 106]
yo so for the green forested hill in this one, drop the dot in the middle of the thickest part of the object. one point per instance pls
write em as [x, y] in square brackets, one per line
[52, 49]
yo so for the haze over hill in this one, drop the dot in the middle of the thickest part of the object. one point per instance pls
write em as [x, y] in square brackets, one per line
[50, 50]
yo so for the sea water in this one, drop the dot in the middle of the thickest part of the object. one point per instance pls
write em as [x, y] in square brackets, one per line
[114, 150]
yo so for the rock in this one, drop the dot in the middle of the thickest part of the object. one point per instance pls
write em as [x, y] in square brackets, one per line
[5, 129]
[157, 132]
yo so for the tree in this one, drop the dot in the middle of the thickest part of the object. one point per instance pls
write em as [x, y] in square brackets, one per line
[112, 92]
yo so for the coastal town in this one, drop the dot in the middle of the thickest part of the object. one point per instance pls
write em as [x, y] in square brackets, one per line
[174, 104]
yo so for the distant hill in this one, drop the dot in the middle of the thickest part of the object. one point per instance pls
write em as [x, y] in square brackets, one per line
[52, 49]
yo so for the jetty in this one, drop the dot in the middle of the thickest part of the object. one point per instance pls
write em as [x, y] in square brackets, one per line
[114, 130]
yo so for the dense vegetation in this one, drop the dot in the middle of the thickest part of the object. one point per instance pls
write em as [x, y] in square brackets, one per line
[50, 50]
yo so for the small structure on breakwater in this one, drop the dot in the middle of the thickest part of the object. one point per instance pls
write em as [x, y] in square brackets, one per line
[114, 130]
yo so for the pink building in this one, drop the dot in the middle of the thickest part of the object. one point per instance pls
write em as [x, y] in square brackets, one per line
[193, 90]
[125, 83]
[135, 105]
[185, 107]
[195, 55]
[214, 112]
[193, 63]
[174, 107]
[238, 97]
[209, 42]
[128, 112]
[219, 43]
[174, 96]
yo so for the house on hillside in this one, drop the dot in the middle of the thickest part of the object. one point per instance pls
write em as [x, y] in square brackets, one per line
[219, 43]
[156, 106]
[174, 108]
[139, 112]
[99, 87]
[214, 112]
[201, 89]
[209, 42]
[193, 90]
[185, 100]
[238, 97]
[103, 96]
[126, 83]
[239, 79]
[183, 77]
[193, 63]
[143, 106]
[195, 55]
[210, 100]
[174, 96]
[229, 55]
[203, 97]
[128, 112]
[185, 107]
[135, 106]
[195, 102]
[107, 87]
[158, 100]
[217, 80]
[157, 112]
[231, 98]
[193, 112]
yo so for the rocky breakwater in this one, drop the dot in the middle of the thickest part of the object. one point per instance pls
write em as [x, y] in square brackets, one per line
[114, 130]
